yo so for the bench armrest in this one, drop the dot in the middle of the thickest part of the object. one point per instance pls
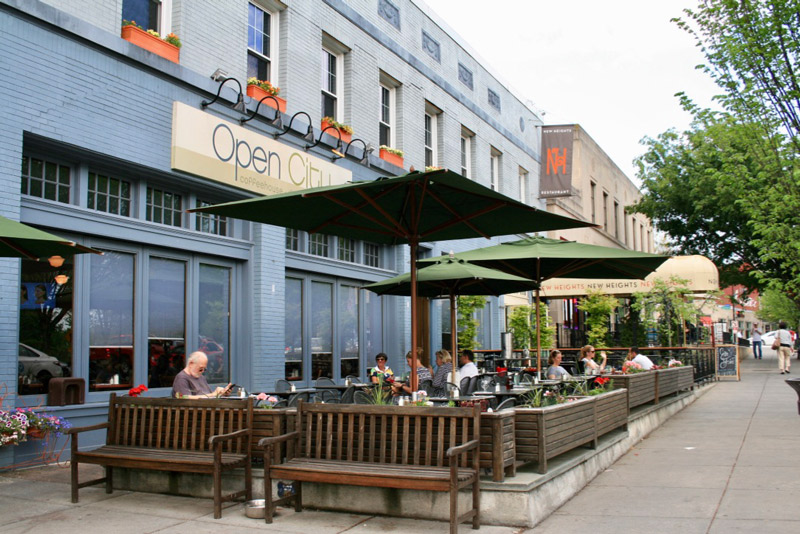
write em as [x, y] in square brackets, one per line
[77, 429]
[227, 437]
[464, 447]
[264, 442]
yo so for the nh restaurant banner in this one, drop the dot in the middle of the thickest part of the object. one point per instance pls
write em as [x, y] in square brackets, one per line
[556, 172]
[207, 146]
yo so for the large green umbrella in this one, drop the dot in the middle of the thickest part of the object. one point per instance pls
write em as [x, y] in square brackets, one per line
[541, 258]
[450, 277]
[18, 240]
[419, 206]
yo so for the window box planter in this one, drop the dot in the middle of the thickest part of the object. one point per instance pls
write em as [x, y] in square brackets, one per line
[151, 43]
[641, 387]
[257, 93]
[394, 159]
[346, 137]
[544, 433]
[498, 448]
[612, 411]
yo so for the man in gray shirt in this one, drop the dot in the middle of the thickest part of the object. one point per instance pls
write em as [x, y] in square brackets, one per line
[190, 382]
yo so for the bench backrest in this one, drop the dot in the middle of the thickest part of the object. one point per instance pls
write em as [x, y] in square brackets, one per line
[408, 435]
[166, 423]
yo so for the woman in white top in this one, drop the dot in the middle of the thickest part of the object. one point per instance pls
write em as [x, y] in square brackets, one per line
[785, 350]
[591, 367]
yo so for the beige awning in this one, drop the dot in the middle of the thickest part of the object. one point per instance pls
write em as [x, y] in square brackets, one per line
[701, 273]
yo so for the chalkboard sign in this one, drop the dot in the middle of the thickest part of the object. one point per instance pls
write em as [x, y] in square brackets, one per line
[727, 362]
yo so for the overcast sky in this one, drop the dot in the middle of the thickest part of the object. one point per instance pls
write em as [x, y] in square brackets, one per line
[613, 67]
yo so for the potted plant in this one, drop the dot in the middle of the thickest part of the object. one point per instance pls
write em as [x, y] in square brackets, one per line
[13, 427]
[169, 47]
[258, 89]
[344, 130]
[392, 155]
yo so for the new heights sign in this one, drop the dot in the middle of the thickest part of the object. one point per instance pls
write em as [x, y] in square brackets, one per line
[207, 146]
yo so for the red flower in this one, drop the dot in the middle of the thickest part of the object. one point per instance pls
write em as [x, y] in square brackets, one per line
[600, 381]
[138, 390]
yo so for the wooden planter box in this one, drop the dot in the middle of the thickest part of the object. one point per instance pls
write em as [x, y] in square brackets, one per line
[498, 447]
[268, 424]
[151, 43]
[641, 387]
[543, 433]
[611, 411]
[394, 159]
[257, 93]
[346, 137]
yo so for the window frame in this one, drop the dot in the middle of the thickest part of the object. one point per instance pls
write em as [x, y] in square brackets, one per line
[272, 9]
[338, 85]
[494, 169]
[466, 152]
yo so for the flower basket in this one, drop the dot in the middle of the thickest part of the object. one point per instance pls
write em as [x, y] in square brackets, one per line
[37, 433]
[346, 137]
[394, 159]
[543, 433]
[151, 43]
[257, 93]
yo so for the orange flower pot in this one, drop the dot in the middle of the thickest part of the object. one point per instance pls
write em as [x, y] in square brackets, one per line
[394, 159]
[346, 137]
[257, 93]
[151, 43]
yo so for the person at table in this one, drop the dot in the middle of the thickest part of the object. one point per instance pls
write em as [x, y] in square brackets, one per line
[444, 372]
[404, 388]
[554, 370]
[468, 367]
[591, 367]
[641, 359]
[190, 382]
[381, 372]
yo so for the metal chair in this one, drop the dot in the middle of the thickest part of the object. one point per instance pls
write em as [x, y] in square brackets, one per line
[473, 385]
[427, 387]
[361, 397]
[324, 381]
[326, 396]
[296, 397]
[526, 379]
[464, 386]
[348, 396]
[281, 404]
[448, 387]
[282, 386]
[508, 403]
[353, 379]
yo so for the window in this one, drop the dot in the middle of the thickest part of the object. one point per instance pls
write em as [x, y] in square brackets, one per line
[616, 219]
[431, 126]
[625, 226]
[385, 122]
[466, 152]
[347, 249]
[292, 239]
[166, 336]
[149, 14]
[372, 255]
[214, 296]
[605, 211]
[523, 185]
[293, 330]
[210, 223]
[331, 84]
[347, 318]
[108, 194]
[45, 179]
[164, 207]
[593, 200]
[261, 37]
[318, 245]
[494, 166]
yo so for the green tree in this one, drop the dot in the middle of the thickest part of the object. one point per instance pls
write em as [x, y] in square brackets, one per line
[467, 324]
[666, 307]
[598, 307]
[522, 325]
[776, 306]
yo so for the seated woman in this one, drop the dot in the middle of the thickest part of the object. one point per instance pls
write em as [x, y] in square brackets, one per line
[404, 388]
[381, 372]
[591, 367]
[444, 372]
[555, 371]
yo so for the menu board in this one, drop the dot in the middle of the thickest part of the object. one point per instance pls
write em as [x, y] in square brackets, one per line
[727, 361]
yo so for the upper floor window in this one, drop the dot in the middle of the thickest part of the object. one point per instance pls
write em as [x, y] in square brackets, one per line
[210, 223]
[495, 169]
[318, 244]
[605, 211]
[331, 83]
[347, 249]
[261, 37]
[387, 112]
[164, 207]
[523, 185]
[616, 219]
[432, 115]
[45, 179]
[593, 200]
[292, 239]
[149, 14]
[466, 152]
[372, 256]
[109, 194]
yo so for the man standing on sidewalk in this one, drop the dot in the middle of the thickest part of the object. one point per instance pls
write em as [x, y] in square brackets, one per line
[757, 354]
[785, 350]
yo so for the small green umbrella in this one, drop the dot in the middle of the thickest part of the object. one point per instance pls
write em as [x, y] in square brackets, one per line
[541, 259]
[450, 277]
[434, 205]
[18, 240]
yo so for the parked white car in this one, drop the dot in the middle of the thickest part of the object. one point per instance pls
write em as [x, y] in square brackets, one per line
[37, 365]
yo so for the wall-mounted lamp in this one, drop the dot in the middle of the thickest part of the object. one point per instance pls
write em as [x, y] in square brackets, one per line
[277, 122]
[368, 149]
[309, 136]
[55, 261]
[61, 279]
[238, 106]
[337, 151]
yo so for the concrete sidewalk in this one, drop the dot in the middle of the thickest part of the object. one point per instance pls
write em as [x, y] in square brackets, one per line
[729, 463]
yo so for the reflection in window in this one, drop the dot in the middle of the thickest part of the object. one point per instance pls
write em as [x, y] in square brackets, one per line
[214, 316]
[210, 223]
[321, 330]
[164, 207]
[293, 323]
[111, 321]
[45, 325]
[166, 337]
[373, 325]
[348, 330]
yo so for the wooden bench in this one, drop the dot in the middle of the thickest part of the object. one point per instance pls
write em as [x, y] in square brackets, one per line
[403, 447]
[189, 436]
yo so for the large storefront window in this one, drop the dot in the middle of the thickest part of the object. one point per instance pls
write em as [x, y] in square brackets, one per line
[166, 337]
[45, 335]
[214, 317]
[293, 322]
[373, 325]
[348, 330]
[321, 330]
[111, 321]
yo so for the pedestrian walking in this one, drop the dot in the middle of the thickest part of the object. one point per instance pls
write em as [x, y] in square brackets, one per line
[757, 352]
[785, 349]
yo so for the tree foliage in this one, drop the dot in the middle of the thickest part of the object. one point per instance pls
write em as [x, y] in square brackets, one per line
[467, 324]
[665, 308]
[522, 325]
[598, 307]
